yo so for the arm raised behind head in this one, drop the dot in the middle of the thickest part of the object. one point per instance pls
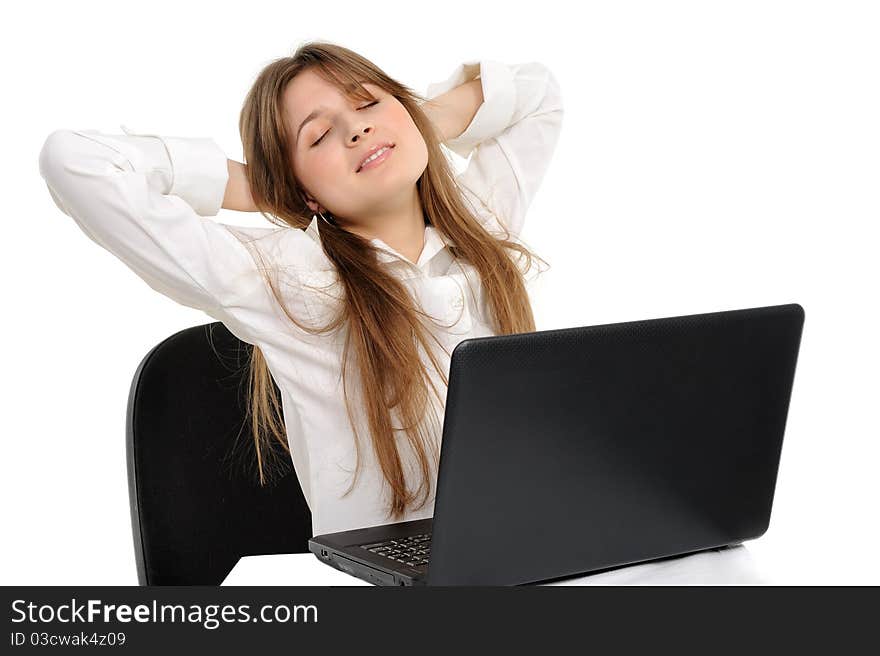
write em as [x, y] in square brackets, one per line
[238, 191]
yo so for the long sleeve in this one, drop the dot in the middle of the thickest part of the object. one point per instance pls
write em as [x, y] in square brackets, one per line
[511, 138]
[144, 199]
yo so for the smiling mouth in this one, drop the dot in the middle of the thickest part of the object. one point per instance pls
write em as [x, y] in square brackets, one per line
[381, 157]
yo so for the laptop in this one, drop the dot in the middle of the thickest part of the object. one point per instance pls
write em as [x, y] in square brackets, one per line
[579, 450]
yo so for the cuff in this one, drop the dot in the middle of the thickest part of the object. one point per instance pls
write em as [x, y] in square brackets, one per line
[494, 114]
[199, 171]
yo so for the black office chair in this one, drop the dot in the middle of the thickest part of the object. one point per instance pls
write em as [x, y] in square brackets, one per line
[196, 502]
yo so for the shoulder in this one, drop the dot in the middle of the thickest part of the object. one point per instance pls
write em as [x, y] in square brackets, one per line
[283, 246]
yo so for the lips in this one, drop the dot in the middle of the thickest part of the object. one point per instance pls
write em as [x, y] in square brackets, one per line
[372, 151]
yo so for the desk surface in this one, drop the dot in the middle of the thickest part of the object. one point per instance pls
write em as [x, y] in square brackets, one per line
[731, 566]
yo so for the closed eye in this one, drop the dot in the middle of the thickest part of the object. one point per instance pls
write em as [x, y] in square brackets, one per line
[375, 102]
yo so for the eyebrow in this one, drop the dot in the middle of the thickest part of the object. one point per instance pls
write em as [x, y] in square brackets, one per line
[315, 114]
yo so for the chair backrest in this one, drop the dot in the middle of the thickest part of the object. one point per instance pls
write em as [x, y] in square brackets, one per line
[196, 502]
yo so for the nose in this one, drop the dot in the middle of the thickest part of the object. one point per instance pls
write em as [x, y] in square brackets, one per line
[358, 133]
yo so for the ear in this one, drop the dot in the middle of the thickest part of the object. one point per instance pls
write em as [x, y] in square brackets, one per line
[313, 204]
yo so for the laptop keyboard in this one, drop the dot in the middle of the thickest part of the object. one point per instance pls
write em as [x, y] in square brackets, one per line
[413, 551]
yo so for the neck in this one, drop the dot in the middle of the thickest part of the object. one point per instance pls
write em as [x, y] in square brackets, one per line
[401, 226]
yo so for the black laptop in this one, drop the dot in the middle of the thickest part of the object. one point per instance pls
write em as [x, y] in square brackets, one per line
[584, 449]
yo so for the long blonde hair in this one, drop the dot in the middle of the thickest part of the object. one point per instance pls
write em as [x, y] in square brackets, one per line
[383, 327]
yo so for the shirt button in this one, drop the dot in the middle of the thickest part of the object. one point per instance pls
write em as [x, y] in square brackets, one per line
[457, 302]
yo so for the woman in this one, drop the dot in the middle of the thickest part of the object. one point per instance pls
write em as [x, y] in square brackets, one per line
[382, 261]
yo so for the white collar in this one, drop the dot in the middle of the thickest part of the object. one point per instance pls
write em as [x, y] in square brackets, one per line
[434, 244]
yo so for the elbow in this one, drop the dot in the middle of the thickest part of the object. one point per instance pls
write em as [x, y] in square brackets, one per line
[54, 161]
[55, 155]
[541, 92]
[74, 168]
[552, 94]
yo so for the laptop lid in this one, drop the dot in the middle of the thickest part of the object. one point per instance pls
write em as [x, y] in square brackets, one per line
[570, 450]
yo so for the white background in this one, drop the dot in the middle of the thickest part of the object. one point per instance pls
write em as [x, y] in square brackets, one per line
[714, 156]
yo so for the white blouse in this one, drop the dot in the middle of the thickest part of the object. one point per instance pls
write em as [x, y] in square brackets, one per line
[145, 197]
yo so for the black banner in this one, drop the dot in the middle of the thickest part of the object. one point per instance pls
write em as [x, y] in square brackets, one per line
[227, 620]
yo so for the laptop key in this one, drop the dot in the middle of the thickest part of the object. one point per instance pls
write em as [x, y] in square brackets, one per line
[412, 551]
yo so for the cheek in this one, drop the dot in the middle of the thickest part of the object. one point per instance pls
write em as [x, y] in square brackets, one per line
[407, 130]
[403, 121]
[314, 169]
[418, 147]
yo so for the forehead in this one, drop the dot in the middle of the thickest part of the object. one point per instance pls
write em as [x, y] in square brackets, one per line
[307, 91]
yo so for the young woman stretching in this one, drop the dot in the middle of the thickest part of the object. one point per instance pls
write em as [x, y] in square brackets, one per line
[383, 259]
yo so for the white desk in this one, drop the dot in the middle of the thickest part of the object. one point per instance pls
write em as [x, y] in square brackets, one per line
[733, 566]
